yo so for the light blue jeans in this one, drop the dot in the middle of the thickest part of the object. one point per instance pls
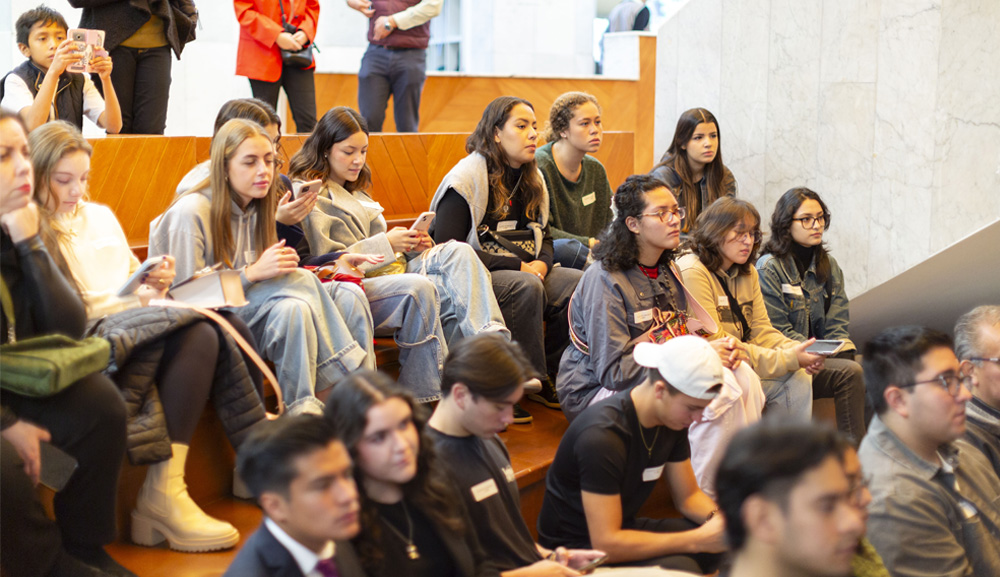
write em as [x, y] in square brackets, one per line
[445, 295]
[315, 334]
[791, 395]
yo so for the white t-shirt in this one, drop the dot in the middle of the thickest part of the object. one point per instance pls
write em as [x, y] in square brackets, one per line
[17, 96]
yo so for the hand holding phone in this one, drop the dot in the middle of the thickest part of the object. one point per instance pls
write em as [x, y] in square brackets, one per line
[423, 221]
[134, 281]
[299, 187]
[825, 348]
[92, 42]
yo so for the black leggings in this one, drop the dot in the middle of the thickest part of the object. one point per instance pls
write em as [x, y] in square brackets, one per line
[187, 371]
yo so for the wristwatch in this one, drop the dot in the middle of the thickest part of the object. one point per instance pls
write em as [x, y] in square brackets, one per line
[387, 25]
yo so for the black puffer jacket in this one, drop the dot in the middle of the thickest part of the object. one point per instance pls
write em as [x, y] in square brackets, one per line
[137, 340]
[121, 18]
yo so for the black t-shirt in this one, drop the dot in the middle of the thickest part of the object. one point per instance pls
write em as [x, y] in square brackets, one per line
[434, 558]
[481, 470]
[602, 452]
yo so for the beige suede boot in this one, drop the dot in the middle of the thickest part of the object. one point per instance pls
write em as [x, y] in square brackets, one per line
[164, 510]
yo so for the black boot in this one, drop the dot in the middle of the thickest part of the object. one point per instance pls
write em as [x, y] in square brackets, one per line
[97, 557]
[521, 417]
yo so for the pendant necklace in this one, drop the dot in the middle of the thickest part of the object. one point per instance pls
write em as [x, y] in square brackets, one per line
[649, 447]
[411, 549]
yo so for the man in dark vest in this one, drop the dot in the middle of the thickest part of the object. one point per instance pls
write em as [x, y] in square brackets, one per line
[396, 60]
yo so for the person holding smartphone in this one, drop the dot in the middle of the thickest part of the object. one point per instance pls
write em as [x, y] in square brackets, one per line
[427, 295]
[803, 289]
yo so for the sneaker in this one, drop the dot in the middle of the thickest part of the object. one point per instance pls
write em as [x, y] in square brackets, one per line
[521, 417]
[547, 396]
[97, 557]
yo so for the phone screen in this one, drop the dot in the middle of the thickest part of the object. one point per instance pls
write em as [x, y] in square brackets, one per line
[825, 347]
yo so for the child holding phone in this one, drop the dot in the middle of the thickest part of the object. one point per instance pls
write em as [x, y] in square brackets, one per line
[803, 289]
[42, 89]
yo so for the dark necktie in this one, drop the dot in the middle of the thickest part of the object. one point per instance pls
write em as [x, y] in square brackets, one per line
[327, 568]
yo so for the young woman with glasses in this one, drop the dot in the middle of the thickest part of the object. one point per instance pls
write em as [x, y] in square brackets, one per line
[720, 273]
[803, 290]
[693, 164]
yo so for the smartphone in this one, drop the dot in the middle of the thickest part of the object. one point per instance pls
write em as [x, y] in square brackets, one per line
[589, 567]
[93, 41]
[825, 348]
[423, 221]
[134, 281]
[299, 188]
[57, 466]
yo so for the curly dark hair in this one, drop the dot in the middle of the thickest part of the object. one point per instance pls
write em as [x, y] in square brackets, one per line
[562, 111]
[676, 158]
[347, 410]
[311, 162]
[780, 242]
[714, 223]
[618, 248]
[482, 140]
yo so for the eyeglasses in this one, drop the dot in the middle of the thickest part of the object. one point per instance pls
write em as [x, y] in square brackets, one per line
[986, 359]
[664, 215]
[951, 383]
[753, 235]
[810, 221]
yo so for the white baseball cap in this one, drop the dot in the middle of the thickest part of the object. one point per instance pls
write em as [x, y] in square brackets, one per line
[687, 362]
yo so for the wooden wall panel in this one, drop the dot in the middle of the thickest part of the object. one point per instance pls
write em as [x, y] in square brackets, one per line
[137, 175]
[455, 103]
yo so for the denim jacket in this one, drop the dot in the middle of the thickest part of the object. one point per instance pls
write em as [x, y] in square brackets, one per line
[796, 304]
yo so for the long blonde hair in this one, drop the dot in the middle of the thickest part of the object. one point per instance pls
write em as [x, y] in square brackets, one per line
[50, 143]
[224, 144]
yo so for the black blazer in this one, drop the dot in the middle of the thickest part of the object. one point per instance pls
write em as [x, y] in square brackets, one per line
[264, 556]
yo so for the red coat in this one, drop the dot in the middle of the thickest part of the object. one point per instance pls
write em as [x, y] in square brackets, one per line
[258, 56]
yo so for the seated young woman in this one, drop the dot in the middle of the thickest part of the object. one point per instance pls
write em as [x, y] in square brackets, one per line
[495, 200]
[803, 290]
[86, 420]
[579, 191]
[719, 273]
[632, 293]
[693, 165]
[315, 334]
[405, 305]
[181, 354]
[412, 521]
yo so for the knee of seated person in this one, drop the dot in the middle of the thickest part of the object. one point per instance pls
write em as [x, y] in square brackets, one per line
[291, 308]
[106, 404]
[423, 288]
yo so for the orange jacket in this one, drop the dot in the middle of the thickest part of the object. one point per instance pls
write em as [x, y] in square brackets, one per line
[258, 56]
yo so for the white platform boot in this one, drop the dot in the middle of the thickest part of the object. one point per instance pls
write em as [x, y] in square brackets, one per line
[164, 510]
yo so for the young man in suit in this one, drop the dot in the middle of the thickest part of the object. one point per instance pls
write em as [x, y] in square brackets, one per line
[301, 475]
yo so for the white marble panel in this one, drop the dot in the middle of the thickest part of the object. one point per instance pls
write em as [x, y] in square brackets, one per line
[903, 170]
[792, 96]
[967, 191]
[849, 40]
[844, 157]
[742, 110]
[621, 55]
[666, 113]
[700, 55]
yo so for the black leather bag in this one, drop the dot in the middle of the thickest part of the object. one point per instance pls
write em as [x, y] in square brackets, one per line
[294, 58]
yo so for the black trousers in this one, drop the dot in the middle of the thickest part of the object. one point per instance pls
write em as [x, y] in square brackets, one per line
[141, 77]
[300, 89]
[87, 420]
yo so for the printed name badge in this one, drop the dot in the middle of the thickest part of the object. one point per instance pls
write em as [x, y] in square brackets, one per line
[724, 302]
[643, 316]
[652, 473]
[589, 199]
[509, 474]
[791, 289]
[505, 225]
[485, 490]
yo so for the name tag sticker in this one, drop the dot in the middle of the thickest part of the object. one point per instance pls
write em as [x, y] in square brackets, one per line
[791, 289]
[371, 205]
[509, 474]
[484, 490]
[505, 225]
[652, 473]
[643, 316]
[589, 199]
[724, 301]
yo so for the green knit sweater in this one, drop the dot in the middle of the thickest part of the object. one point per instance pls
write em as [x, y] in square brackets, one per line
[581, 209]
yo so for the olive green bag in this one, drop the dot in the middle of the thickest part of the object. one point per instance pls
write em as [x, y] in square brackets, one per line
[43, 366]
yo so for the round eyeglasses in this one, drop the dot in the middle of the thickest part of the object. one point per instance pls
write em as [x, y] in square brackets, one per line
[753, 236]
[665, 215]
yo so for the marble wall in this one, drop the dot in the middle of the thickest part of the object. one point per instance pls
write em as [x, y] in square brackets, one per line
[887, 108]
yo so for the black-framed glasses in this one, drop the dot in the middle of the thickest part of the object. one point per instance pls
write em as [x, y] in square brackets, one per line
[951, 383]
[664, 215]
[810, 221]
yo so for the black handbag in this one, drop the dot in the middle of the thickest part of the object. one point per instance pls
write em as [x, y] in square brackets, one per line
[294, 58]
[519, 243]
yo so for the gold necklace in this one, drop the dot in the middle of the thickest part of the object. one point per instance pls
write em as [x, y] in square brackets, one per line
[411, 549]
[649, 447]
